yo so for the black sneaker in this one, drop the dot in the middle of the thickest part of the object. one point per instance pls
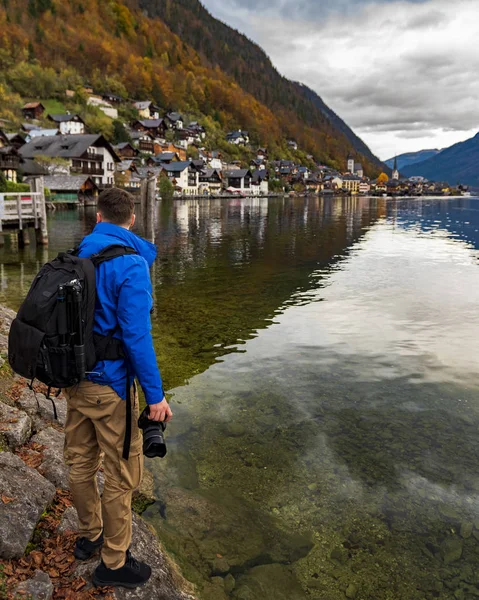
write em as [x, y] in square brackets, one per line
[85, 548]
[131, 575]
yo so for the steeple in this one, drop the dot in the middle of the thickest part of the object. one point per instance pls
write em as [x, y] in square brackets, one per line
[395, 174]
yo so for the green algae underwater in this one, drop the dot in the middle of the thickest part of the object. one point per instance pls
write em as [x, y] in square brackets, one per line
[321, 361]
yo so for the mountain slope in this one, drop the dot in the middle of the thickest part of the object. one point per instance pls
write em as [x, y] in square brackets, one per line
[411, 158]
[249, 65]
[456, 164]
[175, 53]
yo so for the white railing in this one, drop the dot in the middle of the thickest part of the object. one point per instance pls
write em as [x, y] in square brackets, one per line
[21, 207]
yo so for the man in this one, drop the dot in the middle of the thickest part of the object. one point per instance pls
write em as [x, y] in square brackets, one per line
[97, 408]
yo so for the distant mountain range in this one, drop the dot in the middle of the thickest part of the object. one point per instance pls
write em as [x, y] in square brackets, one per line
[457, 164]
[411, 158]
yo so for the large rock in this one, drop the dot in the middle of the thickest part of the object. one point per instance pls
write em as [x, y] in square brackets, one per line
[37, 404]
[39, 587]
[269, 581]
[30, 493]
[69, 520]
[165, 583]
[15, 425]
[53, 466]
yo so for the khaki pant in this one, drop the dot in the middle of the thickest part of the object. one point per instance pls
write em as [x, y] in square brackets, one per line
[95, 426]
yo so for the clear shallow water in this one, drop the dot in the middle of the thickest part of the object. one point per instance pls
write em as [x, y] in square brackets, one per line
[322, 360]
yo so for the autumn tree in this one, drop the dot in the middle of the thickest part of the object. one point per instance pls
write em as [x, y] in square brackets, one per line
[383, 178]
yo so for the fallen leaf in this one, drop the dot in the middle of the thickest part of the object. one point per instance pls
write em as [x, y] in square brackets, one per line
[7, 499]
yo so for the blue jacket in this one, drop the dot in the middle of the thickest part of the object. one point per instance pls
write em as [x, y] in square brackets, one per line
[124, 299]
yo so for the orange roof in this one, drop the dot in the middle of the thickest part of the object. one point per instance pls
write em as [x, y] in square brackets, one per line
[32, 104]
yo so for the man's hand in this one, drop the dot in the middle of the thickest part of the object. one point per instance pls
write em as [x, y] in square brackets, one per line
[160, 411]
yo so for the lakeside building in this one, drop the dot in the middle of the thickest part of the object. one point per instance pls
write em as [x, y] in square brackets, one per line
[88, 154]
[68, 124]
[9, 158]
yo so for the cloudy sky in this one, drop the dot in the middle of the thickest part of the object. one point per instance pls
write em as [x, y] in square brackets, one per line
[403, 74]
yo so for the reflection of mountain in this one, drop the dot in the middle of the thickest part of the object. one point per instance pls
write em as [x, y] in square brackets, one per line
[226, 268]
[459, 217]
[411, 158]
[456, 164]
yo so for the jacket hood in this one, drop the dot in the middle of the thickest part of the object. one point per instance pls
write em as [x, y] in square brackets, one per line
[105, 234]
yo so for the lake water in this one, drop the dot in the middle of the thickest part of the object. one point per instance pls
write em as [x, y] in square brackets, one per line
[322, 359]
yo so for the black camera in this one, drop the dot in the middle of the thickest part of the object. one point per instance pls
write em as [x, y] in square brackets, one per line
[153, 439]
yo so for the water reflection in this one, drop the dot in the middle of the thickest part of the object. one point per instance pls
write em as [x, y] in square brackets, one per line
[326, 441]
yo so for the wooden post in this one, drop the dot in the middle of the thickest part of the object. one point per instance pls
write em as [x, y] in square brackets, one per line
[150, 212]
[23, 238]
[41, 232]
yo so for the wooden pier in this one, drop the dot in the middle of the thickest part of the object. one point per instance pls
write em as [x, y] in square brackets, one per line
[20, 211]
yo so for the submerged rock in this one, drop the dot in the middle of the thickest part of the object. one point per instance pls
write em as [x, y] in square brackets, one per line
[269, 581]
[451, 549]
[39, 587]
[466, 529]
[351, 591]
[30, 494]
[15, 426]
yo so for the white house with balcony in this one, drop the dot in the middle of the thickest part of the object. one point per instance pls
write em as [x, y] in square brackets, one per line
[89, 154]
[184, 176]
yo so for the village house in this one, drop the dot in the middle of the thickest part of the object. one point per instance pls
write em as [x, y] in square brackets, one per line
[40, 132]
[71, 188]
[15, 140]
[262, 154]
[238, 137]
[237, 179]
[104, 106]
[87, 154]
[184, 176]
[126, 150]
[112, 98]
[163, 157]
[351, 183]
[212, 159]
[33, 110]
[127, 175]
[9, 158]
[314, 183]
[69, 124]
[364, 187]
[210, 181]
[147, 110]
[198, 129]
[358, 170]
[157, 127]
[292, 145]
[260, 182]
[174, 120]
[188, 136]
[144, 141]
[170, 147]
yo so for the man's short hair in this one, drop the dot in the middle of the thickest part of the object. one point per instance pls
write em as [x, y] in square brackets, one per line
[116, 206]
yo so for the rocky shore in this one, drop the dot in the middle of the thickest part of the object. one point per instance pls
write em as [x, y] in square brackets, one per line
[38, 523]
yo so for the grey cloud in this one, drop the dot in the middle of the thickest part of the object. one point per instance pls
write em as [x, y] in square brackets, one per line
[398, 66]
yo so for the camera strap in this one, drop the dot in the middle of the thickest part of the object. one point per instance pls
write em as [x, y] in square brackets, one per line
[127, 440]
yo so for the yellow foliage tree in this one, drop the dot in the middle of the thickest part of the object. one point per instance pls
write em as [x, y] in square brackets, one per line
[383, 178]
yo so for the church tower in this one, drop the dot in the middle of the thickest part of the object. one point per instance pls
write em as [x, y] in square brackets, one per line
[350, 163]
[395, 169]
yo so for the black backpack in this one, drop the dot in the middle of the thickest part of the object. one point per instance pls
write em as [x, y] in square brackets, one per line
[52, 337]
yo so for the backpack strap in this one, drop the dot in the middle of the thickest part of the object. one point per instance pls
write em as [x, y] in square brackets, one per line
[110, 252]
